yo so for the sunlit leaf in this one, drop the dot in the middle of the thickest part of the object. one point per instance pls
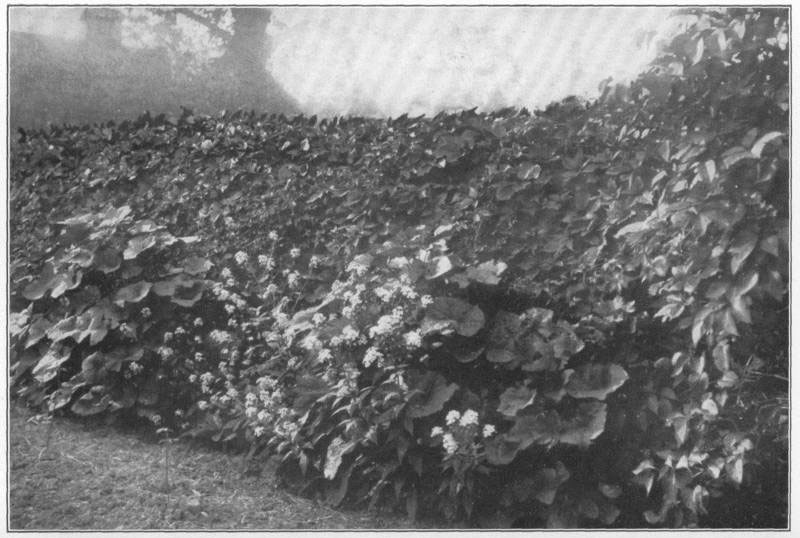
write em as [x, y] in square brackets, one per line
[596, 380]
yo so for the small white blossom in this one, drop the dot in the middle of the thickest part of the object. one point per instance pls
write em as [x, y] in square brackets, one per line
[426, 300]
[469, 418]
[452, 417]
[241, 257]
[314, 262]
[202, 405]
[324, 355]
[437, 430]
[135, 367]
[273, 235]
[198, 357]
[146, 312]
[449, 443]
[258, 431]
[198, 322]
[318, 319]
[226, 273]
[488, 430]
[168, 336]
[294, 253]
[293, 279]
[192, 378]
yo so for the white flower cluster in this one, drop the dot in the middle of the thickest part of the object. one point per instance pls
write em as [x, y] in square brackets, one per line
[371, 356]
[413, 339]
[388, 323]
[318, 319]
[165, 352]
[390, 289]
[135, 367]
[464, 428]
[241, 257]
[273, 235]
[220, 337]
[293, 279]
[314, 262]
[324, 355]
[426, 301]
[349, 335]
[359, 269]
[294, 253]
[267, 262]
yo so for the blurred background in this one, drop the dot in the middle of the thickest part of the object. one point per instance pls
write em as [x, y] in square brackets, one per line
[93, 64]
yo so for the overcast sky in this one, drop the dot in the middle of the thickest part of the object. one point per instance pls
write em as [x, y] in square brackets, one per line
[391, 60]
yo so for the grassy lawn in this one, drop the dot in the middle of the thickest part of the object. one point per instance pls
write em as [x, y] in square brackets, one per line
[94, 476]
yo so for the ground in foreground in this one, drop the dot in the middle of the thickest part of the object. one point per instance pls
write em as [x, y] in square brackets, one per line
[75, 475]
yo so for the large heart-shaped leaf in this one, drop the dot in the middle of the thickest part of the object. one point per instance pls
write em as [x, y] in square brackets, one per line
[434, 392]
[37, 330]
[133, 293]
[587, 424]
[107, 260]
[63, 282]
[48, 366]
[515, 399]
[137, 245]
[196, 265]
[500, 450]
[596, 380]
[188, 296]
[39, 287]
[453, 313]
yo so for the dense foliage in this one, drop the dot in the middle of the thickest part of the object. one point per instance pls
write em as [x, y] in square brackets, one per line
[572, 318]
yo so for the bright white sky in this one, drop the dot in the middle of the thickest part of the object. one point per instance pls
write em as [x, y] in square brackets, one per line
[394, 60]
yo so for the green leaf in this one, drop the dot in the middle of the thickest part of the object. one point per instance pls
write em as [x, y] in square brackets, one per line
[488, 272]
[449, 312]
[132, 293]
[18, 321]
[587, 424]
[39, 287]
[107, 260]
[501, 451]
[48, 366]
[188, 296]
[547, 481]
[91, 404]
[528, 171]
[37, 330]
[741, 248]
[435, 392]
[633, 228]
[758, 147]
[333, 458]
[114, 216]
[196, 265]
[440, 265]
[596, 380]
[514, 400]
[137, 245]
[66, 281]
